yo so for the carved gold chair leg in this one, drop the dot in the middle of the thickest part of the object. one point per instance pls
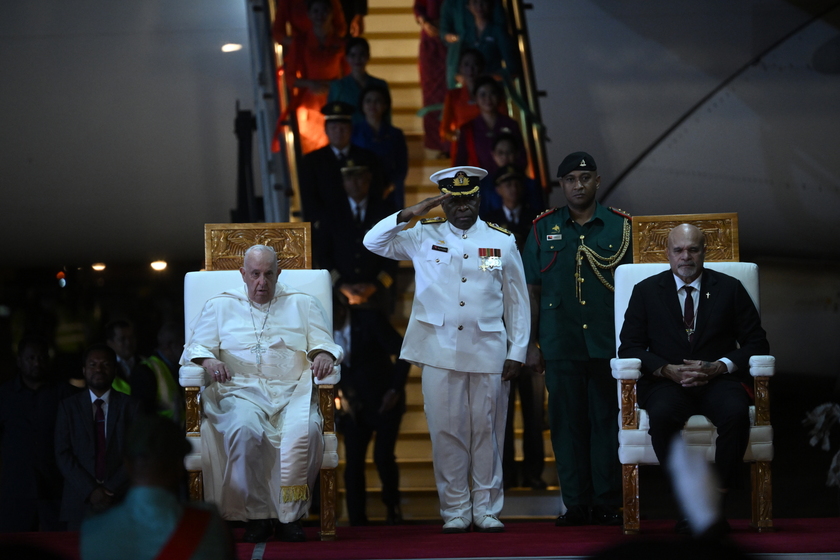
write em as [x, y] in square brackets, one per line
[196, 485]
[630, 483]
[329, 491]
[762, 496]
[328, 494]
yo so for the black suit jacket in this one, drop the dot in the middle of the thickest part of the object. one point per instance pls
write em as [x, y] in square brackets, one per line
[519, 229]
[75, 449]
[371, 373]
[654, 331]
[338, 245]
[321, 183]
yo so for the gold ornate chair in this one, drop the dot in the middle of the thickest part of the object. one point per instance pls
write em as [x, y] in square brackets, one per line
[225, 246]
[649, 242]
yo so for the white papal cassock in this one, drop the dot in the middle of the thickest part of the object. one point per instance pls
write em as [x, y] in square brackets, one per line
[261, 432]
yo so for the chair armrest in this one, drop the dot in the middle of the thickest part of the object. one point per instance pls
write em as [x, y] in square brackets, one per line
[192, 375]
[626, 368]
[331, 379]
[762, 366]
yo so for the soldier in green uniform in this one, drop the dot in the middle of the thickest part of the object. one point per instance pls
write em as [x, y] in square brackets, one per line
[569, 259]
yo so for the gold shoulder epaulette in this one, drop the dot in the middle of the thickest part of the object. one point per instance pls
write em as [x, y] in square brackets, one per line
[437, 220]
[620, 212]
[544, 214]
[497, 227]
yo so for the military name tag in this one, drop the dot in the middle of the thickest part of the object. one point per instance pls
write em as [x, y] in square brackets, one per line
[439, 248]
[554, 237]
[489, 259]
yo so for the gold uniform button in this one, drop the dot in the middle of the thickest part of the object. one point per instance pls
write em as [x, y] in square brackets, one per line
[552, 247]
[466, 256]
[464, 236]
[580, 280]
[582, 237]
[583, 303]
[460, 327]
[462, 304]
[550, 304]
[437, 260]
[585, 327]
[463, 279]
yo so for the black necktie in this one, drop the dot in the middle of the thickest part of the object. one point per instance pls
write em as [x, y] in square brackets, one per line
[688, 313]
[100, 440]
[358, 216]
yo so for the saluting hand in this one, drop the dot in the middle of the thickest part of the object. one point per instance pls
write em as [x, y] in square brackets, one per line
[421, 208]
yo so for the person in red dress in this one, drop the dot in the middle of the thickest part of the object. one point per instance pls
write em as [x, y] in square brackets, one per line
[291, 19]
[475, 139]
[315, 58]
[459, 106]
[432, 69]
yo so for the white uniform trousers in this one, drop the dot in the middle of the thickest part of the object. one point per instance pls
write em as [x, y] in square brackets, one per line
[466, 413]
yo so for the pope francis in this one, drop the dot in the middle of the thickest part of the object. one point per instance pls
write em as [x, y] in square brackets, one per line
[261, 432]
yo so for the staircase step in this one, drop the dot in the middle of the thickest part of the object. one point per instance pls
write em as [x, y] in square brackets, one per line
[402, 10]
[401, 45]
[394, 71]
[381, 20]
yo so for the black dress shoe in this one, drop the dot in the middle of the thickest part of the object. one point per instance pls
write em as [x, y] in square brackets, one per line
[536, 483]
[290, 532]
[574, 516]
[258, 530]
[606, 515]
[394, 516]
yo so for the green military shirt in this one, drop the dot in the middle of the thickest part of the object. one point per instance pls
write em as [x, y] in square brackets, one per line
[572, 326]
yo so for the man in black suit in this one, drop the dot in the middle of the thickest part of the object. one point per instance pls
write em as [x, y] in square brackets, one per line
[320, 171]
[30, 482]
[363, 278]
[373, 400]
[89, 438]
[694, 330]
[515, 214]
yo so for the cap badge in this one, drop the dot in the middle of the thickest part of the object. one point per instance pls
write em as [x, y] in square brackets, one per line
[461, 179]
[582, 163]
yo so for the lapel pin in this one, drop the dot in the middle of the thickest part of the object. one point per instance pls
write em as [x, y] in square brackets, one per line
[707, 295]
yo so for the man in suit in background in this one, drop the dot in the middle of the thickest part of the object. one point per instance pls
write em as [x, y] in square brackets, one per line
[360, 276]
[89, 439]
[30, 482]
[694, 330]
[373, 400]
[320, 170]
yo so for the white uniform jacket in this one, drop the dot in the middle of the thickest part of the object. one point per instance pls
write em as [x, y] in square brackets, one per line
[471, 309]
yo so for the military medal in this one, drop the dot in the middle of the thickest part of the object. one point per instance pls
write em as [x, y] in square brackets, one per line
[489, 259]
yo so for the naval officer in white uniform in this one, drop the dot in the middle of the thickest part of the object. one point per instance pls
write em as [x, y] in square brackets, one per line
[468, 331]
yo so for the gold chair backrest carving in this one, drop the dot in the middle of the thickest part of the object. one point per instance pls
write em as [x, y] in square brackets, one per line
[650, 235]
[225, 244]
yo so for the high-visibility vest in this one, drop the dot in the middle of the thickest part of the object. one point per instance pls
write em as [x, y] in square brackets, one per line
[167, 389]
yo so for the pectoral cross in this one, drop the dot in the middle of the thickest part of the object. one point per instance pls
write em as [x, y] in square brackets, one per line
[258, 350]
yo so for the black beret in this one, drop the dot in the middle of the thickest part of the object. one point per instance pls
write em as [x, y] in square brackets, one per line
[578, 161]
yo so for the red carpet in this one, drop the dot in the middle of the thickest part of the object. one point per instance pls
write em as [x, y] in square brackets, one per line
[522, 539]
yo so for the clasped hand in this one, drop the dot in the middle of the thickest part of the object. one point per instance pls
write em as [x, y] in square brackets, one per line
[693, 373]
